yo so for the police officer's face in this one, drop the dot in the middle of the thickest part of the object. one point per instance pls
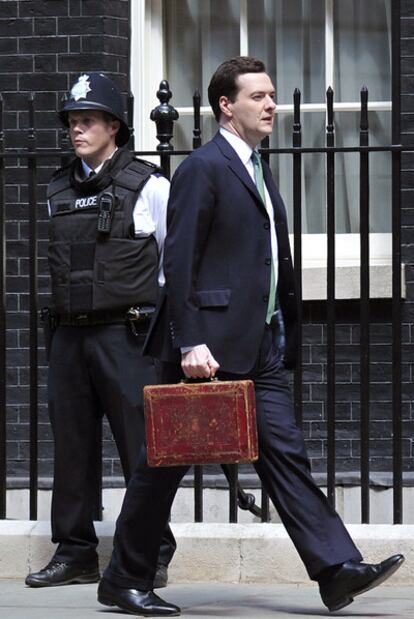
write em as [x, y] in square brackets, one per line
[93, 135]
[252, 112]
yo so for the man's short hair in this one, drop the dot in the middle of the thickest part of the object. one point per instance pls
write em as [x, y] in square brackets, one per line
[223, 83]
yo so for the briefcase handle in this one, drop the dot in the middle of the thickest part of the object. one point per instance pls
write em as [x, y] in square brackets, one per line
[211, 379]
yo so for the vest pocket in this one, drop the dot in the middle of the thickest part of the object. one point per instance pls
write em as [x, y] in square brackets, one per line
[80, 298]
[82, 256]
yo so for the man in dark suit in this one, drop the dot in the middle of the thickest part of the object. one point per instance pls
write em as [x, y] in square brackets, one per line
[230, 309]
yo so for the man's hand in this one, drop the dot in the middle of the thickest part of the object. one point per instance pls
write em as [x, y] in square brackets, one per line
[199, 363]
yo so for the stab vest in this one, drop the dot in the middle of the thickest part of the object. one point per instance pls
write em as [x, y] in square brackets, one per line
[93, 271]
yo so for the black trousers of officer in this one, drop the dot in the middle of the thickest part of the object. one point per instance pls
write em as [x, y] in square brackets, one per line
[94, 371]
[283, 467]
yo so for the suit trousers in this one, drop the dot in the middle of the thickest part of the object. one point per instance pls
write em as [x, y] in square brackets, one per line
[93, 371]
[315, 528]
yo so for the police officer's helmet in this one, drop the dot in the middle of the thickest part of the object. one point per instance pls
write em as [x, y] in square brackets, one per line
[95, 91]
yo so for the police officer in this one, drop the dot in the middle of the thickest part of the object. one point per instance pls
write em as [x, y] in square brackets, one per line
[107, 228]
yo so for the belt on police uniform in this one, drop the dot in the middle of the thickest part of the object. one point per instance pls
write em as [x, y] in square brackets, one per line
[132, 314]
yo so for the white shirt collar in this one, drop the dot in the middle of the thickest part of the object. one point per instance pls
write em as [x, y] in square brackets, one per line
[241, 147]
[87, 170]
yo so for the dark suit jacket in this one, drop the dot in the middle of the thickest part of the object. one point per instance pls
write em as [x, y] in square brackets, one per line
[217, 263]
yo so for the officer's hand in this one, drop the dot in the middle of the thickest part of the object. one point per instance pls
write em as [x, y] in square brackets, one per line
[199, 363]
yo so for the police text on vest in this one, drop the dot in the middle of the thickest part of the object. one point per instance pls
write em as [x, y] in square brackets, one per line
[85, 202]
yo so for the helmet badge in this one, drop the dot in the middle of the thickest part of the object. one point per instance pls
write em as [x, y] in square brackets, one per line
[81, 88]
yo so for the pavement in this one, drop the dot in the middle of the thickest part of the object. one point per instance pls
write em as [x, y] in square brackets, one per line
[206, 601]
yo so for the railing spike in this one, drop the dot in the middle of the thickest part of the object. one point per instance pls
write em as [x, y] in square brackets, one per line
[130, 119]
[164, 116]
[364, 109]
[197, 119]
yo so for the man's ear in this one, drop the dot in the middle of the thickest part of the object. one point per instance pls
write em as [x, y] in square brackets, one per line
[115, 126]
[226, 106]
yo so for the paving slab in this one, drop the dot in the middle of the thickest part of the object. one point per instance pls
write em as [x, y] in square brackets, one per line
[206, 601]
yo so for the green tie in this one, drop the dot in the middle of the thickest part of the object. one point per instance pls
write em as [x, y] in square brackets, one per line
[258, 176]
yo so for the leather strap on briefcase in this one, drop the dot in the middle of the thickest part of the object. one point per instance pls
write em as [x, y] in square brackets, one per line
[200, 423]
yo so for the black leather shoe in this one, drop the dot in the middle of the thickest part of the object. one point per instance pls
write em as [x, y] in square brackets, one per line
[353, 578]
[144, 603]
[161, 577]
[58, 573]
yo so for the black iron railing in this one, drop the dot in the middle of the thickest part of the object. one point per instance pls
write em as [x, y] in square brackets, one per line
[164, 116]
[3, 467]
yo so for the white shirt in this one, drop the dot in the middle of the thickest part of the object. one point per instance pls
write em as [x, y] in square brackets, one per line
[244, 151]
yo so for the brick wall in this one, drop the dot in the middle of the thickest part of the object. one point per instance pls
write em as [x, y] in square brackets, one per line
[43, 44]
[348, 387]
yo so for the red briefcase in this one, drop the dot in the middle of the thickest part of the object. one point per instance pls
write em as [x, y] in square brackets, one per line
[200, 423]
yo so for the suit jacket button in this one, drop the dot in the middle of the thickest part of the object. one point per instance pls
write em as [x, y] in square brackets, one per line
[266, 298]
[266, 225]
[268, 261]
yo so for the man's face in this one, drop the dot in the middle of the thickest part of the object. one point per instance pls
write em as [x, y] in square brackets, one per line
[92, 135]
[252, 113]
